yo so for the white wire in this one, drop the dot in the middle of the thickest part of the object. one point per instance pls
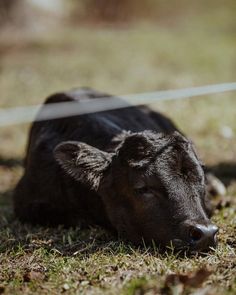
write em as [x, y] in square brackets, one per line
[27, 114]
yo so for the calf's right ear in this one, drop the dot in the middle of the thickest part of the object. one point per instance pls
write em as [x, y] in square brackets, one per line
[83, 162]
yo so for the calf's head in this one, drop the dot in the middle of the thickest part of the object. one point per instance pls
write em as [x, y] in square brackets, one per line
[152, 186]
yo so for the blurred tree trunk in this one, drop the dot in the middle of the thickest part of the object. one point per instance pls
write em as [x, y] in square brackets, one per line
[7, 10]
[110, 10]
[114, 11]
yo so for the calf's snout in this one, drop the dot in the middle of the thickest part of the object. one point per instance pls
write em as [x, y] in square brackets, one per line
[203, 236]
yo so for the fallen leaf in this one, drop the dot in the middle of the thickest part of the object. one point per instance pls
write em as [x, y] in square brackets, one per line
[193, 280]
[198, 278]
[33, 276]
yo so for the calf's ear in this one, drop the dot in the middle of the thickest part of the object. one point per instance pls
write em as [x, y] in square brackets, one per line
[83, 162]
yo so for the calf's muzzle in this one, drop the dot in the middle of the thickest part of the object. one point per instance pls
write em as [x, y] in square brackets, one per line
[202, 237]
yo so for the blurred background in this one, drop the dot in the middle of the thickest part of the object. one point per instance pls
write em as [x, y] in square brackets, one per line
[122, 47]
[119, 47]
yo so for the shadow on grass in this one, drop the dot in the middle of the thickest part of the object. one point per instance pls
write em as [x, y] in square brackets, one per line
[225, 171]
[80, 241]
[61, 241]
[70, 241]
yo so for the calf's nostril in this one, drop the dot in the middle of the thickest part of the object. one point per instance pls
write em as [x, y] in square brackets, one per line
[195, 234]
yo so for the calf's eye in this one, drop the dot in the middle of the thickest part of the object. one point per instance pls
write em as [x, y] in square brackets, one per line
[143, 191]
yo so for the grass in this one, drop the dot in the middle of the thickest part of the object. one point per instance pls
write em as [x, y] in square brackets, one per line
[190, 52]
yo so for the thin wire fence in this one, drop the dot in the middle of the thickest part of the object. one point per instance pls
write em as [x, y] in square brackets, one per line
[27, 114]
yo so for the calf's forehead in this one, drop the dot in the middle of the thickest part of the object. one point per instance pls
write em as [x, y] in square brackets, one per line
[175, 161]
[178, 165]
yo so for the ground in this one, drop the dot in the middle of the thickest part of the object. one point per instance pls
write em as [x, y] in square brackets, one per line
[122, 60]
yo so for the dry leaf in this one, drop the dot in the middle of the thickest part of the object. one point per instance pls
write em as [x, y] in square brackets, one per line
[33, 276]
[198, 278]
[193, 280]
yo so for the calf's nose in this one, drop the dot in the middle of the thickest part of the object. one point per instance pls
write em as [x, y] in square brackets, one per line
[203, 236]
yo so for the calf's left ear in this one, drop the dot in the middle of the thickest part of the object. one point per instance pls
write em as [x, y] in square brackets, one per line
[83, 162]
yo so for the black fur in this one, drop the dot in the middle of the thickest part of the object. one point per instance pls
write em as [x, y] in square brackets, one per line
[128, 169]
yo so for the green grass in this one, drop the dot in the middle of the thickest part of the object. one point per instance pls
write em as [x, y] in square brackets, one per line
[140, 58]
